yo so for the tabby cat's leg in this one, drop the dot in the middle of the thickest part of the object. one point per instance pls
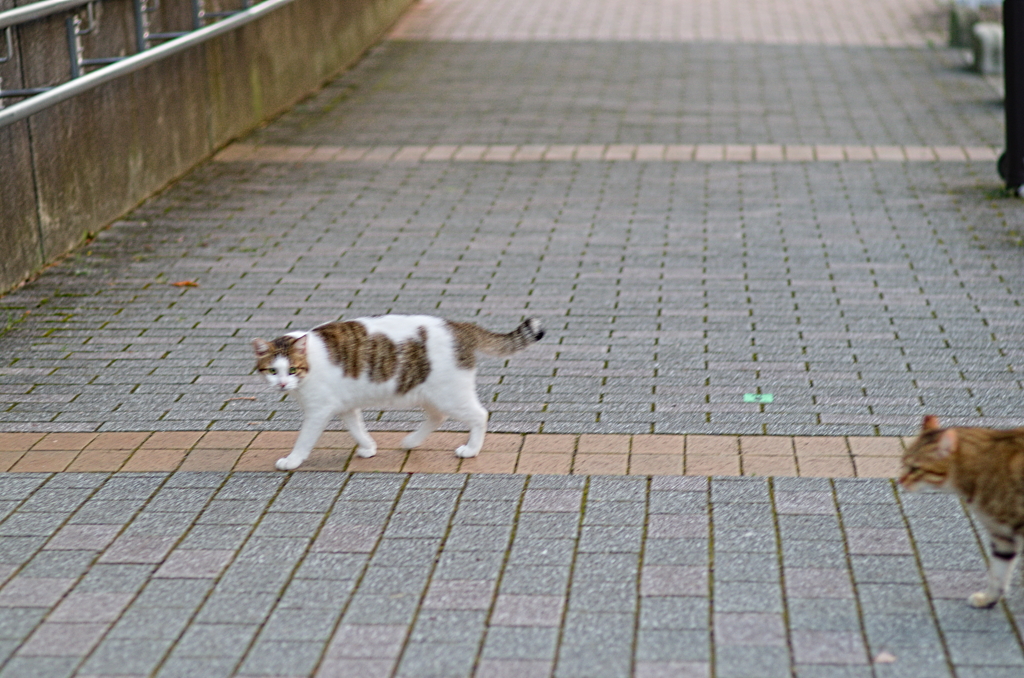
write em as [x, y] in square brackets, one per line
[434, 419]
[354, 421]
[1000, 570]
[313, 424]
[473, 413]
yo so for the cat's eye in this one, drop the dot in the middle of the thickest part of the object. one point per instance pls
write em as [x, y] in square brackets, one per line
[292, 370]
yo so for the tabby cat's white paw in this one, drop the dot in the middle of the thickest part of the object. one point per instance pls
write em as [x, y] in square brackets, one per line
[464, 452]
[366, 452]
[287, 464]
[981, 599]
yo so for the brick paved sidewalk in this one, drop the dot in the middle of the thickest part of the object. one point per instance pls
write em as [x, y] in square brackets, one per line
[332, 574]
[705, 203]
[694, 221]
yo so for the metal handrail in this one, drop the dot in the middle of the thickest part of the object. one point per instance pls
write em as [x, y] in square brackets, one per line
[37, 10]
[133, 63]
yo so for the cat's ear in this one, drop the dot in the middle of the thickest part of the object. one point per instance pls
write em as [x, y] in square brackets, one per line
[930, 423]
[947, 442]
[299, 345]
[261, 347]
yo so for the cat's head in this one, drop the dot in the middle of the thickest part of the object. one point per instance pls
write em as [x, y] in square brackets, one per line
[927, 461]
[282, 361]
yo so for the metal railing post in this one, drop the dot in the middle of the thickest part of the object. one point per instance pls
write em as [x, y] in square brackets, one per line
[1013, 72]
[72, 25]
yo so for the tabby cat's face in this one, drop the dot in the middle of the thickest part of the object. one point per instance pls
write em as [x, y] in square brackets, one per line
[282, 361]
[927, 461]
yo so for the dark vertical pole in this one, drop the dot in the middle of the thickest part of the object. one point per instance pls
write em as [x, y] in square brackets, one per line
[1013, 74]
[140, 26]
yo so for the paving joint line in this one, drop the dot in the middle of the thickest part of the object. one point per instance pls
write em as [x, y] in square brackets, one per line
[584, 493]
[638, 609]
[710, 582]
[501, 573]
[947, 654]
[853, 580]
[782, 570]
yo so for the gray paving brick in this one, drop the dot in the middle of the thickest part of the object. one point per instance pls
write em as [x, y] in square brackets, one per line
[183, 667]
[673, 612]
[435, 659]
[752, 540]
[485, 513]
[677, 551]
[578, 661]
[152, 623]
[885, 569]
[449, 626]
[504, 642]
[126, 656]
[479, 537]
[548, 525]
[252, 578]
[185, 593]
[17, 623]
[281, 658]
[58, 564]
[493, 487]
[405, 552]
[230, 607]
[662, 645]
[747, 597]
[535, 579]
[317, 593]
[43, 667]
[602, 596]
[315, 624]
[734, 662]
[232, 512]
[215, 640]
[331, 566]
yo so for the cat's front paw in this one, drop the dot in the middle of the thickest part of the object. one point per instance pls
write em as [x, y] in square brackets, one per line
[287, 463]
[366, 452]
[465, 452]
[981, 599]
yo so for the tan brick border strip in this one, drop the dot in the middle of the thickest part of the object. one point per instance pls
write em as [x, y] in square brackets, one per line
[606, 152]
[869, 456]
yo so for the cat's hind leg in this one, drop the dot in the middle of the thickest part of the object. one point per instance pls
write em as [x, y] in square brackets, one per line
[313, 424]
[1000, 571]
[435, 418]
[367, 446]
[473, 413]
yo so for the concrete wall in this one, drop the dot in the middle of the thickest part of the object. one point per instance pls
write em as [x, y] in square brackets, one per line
[77, 166]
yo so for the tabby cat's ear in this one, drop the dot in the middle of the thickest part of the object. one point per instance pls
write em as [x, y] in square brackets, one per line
[299, 345]
[261, 347]
[930, 423]
[947, 442]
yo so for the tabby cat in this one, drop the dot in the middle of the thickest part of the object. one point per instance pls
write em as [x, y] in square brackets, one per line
[385, 361]
[985, 467]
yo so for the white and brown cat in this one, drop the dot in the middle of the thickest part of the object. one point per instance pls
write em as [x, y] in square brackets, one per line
[985, 467]
[398, 361]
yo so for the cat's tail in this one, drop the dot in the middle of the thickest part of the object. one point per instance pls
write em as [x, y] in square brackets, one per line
[473, 338]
